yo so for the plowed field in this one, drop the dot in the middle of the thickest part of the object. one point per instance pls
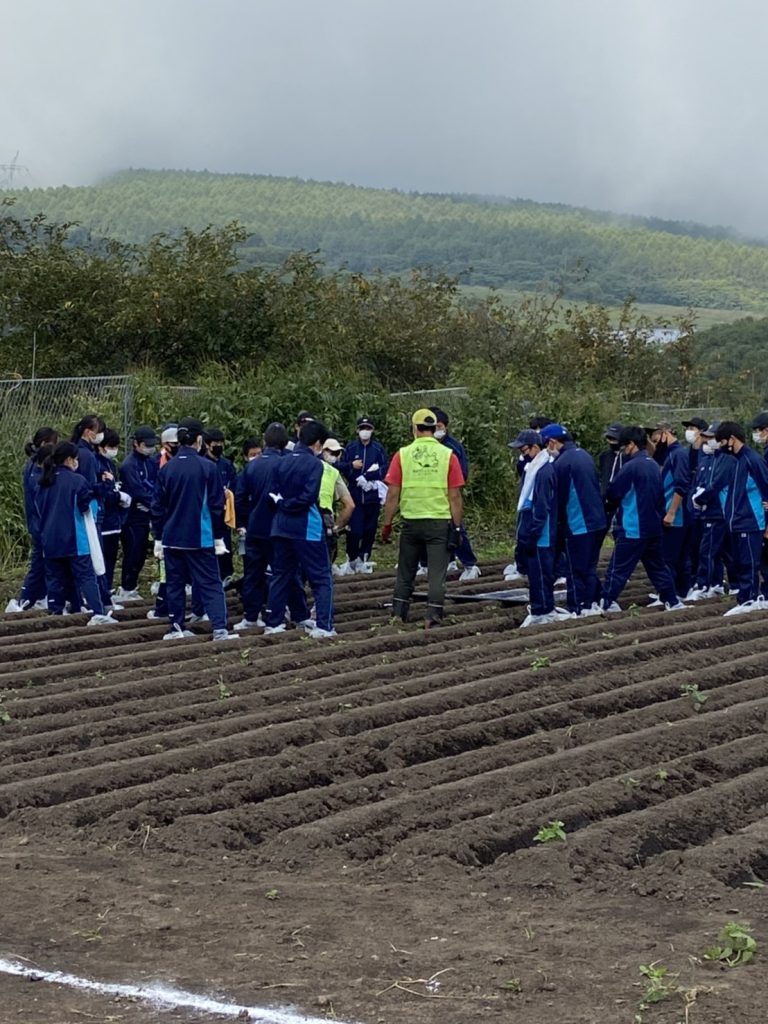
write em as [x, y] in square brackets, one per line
[348, 827]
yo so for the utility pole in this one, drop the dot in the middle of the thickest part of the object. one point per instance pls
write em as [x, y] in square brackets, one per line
[10, 171]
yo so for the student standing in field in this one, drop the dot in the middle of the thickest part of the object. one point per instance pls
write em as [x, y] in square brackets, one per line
[215, 442]
[637, 496]
[63, 501]
[138, 473]
[759, 427]
[364, 464]
[334, 494]
[188, 522]
[708, 493]
[580, 518]
[114, 505]
[34, 588]
[425, 481]
[676, 480]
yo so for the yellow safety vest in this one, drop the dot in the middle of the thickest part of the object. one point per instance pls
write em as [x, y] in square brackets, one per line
[424, 490]
[328, 486]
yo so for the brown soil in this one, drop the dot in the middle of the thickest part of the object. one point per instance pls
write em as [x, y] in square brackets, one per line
[385, 790]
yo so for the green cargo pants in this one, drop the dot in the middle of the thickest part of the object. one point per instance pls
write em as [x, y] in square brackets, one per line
[415, 534]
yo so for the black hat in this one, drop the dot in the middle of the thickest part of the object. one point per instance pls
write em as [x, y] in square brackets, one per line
[214, 434]
[304, 417]
[145, 434]
[613, 431]
[189, 429]
[698, 422]
[526, 437]
[440, 415]
[760, 421]
[365, 421]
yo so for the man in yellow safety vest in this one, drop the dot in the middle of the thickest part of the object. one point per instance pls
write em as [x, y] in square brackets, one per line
[425, 481]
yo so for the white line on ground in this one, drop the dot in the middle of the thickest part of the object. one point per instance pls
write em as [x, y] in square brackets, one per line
[161, 995]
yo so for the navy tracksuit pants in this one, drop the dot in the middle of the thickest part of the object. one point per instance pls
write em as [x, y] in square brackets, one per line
[65, 576]
[292, 560]
[361, 531]
[110, 545]
[135, 538]
[745, 550]
[626, 554]
[676, 555]
[712, 554]
[540, 566]
[581, 554]
[257, 574]
[34, 588]
[199, 567]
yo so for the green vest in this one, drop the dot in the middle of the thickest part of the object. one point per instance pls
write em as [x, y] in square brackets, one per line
[424, 490]
[328, 486]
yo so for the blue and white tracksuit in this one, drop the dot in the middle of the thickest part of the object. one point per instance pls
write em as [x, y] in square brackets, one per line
[138, 474]
[745, 520]
[34, 587]
[581, 524]
[676, 479]
[536, 539]
[713, 473]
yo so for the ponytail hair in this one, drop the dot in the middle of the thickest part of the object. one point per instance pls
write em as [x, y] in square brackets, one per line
[89, 422]
[58, 456]
[45, 435]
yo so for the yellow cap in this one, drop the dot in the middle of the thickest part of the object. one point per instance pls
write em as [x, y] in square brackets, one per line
[423, 418]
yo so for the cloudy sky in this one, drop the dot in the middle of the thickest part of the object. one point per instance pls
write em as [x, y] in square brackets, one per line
[651, 106]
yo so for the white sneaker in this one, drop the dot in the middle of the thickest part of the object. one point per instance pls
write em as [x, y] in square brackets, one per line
[594, 609]
[453, 566]
[102, 620]
[15, 606]
[198, 618]
[540, 620]
[364, 568]
[188, 590]
[422, 571]
[758, 605]
[653, 596]
[511, 572]
[562, 613]
[127, 595]
[269, 630]
[307, 625]
[658, 603]
[472, 572]
[176, 633]
[115, 607]
[322, 634]
[678, 607]
[260, 622]
[697, 594]
[560, 581]
[224, 634]
[716, 591]
[152, 614]
[245, 624]
[612, 609]
[155, 588]
[41, 605]
[345, 569]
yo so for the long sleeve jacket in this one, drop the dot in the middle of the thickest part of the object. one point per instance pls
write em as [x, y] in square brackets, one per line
[609, 462]
[676, 479]
[61, 508]
[254, 509]
[188, 502]
[637, 495]
[371, 454]
[138, 475]
[713, 478]
[111, 515]
[747, 490]
[580, 505]
[88, 468]
[298, 478]
[30, 477]
[537, 519]
[460, 452]
[226, 470]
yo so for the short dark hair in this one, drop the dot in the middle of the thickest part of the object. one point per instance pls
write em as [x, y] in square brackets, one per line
[538, 422]
[633, 435]
[189, 431]
[275, 436]
[251, 442]
[111, 438]
[729, 428]
[313, 431]
[214, 434]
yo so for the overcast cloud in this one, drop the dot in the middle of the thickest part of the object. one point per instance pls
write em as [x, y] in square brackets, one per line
[650, 106]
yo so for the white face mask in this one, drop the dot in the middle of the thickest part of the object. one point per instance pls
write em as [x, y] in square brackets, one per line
[757, 437]
[365, 435]
[111, 453]
[710, 446]
[98, 438]
[691, 435]
[440, 433]
[330, 458]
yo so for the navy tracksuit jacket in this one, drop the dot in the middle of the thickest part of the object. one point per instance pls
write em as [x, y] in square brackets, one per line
[138, 474]
[536, 538]
[745, 519]
[581, 524]
[361, 531]
[34, 587]
[713, 473]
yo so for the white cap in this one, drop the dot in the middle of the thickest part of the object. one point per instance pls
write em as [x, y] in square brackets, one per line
[170, 435]
[332, 445]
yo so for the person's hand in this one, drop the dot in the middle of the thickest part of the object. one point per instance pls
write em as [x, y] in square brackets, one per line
[106, 475]
[357, 464]
[669, 519]
[277, 498]
[219, 547]
[241, 531]
[158, 549]
[454, 537]
[386, 533]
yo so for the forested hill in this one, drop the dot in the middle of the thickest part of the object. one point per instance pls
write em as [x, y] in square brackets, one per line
[485, 240]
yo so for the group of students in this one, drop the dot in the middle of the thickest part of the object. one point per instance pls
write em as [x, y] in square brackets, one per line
[177, 493]
[693, 514]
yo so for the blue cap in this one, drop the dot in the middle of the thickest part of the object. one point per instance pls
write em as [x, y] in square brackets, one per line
[554, 432]
[526, 437]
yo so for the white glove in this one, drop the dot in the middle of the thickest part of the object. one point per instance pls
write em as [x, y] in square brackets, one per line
[277, 498]
[697, 494]
[373, 469]
[159, 552]
[363, 484]
[125, 499]
[220, 548]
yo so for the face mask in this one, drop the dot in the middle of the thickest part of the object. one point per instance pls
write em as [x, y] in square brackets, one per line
[365, 435]
[440, 434]
[690, 436]
[757, 437]
[252, 457]
[172, 449]
[660, 453]
[147, 449]
[98, 438]
[710, 447]
[333, 459]
[217, 450]
[111, 453]
[614, 446]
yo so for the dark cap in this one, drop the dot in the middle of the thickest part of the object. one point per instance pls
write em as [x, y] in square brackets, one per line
[440, 415]
[554, 432]
[214, 434]
[613, 431]
[711, 430]
[662, 425]
[760, 421]
[698, 422]
[304, 417]
[145, 434]
[365, 421]
[526, 437]
[190, 427]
